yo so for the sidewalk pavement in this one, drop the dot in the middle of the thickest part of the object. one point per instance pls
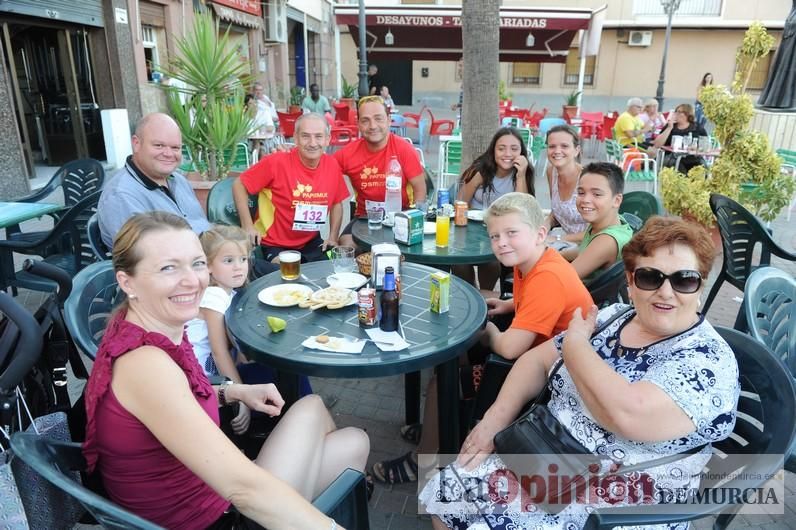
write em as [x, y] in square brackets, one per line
[377, 404]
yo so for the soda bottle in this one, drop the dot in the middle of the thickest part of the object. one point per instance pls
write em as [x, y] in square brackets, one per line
[392, 187]
[389, 302]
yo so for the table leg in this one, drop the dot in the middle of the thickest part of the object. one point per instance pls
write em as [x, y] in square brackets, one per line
[448, 406]
[412, 397]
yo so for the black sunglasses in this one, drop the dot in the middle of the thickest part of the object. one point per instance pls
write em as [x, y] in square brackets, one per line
[649, 279]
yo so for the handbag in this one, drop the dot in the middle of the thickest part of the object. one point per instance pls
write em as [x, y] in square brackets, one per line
[560, 460]
[12, 513]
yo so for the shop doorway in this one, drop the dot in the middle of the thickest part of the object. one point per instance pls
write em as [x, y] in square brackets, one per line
[397, 75]
[51, 72]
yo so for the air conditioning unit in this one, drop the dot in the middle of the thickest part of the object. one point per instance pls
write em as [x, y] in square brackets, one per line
[276, 21]
[639, 38]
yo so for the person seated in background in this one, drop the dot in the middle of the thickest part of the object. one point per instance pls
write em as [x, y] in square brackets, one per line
[652, 118]
[153, 417]
[149, 180]
[547, 291]
[599, 196]
[629, 130]
[385, 95]
[315, 102]
[299, 192]
[657, 381]
[267, 118]
[501, 169]
[682, 122]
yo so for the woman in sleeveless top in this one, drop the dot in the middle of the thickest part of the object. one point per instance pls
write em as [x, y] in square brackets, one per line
[501, 169]
[152, 431]
[563, 151]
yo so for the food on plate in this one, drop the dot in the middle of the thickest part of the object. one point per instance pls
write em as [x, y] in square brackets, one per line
[332, 297]
[289, 295]
[276, 324]
[322, 339]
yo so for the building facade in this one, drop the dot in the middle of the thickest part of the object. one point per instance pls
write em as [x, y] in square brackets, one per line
[705, 37]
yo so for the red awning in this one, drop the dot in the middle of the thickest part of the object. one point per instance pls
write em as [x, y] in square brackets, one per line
[435, 32]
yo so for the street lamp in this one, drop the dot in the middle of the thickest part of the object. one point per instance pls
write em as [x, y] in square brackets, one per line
[669, 7]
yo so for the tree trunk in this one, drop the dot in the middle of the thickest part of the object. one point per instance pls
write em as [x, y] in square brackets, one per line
[480, 38]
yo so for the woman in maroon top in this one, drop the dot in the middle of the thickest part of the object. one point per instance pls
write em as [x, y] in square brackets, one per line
[152, 428]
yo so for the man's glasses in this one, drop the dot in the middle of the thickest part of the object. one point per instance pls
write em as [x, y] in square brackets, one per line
[685, 281]
[370, 99]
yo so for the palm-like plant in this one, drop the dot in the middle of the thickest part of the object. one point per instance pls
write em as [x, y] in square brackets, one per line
[213, 119]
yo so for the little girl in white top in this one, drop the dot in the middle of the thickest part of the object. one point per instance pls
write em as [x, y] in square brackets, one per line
[227, 249]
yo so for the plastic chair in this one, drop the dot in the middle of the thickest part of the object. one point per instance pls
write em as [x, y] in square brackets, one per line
[342, 112]
[548, 123]
[239, 159]
[221, 207]
[635, 222]
[511, 121]
[95, 294]
[94, 236]
[740, 233]
[764, 428]
[536, 118]
[788, 166]
[287, 123]
[610, 287]
[439, 127]
[187, 160]
[69, 235]
[78, 179]
[640, 168]
[340, 136]
[641, 204]
[613, 151]
[345, 500]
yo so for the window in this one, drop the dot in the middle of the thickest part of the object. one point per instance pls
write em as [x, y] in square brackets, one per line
[526, 73]
[149, 40]
[757, 81]
[572, 69]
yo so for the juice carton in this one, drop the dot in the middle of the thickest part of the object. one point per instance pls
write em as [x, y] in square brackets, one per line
[408, 228]
[440, 292]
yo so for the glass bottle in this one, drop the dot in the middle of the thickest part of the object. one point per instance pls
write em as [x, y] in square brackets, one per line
[389, 302]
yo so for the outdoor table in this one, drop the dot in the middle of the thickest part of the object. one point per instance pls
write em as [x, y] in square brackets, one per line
[467, 245]
[707, 155]
[13, 213]
[435, 339]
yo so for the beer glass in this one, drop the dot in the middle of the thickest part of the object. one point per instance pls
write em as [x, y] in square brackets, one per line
[290, 264]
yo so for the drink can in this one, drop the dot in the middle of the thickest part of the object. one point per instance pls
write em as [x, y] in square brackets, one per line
[366, 307]
[460, 213]
[443, 197]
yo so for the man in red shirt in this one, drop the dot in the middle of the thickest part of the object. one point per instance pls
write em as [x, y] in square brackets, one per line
[298, 191]
[365, 161]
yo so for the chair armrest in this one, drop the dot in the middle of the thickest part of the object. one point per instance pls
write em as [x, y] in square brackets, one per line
[345, 500]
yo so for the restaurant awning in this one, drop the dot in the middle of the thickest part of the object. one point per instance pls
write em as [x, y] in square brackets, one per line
[527, 34]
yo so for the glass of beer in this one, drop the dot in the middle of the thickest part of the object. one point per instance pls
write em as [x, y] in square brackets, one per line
[443, 228]
[290, 264]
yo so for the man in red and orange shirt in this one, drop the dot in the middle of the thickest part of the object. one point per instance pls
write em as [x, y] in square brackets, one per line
[298, 192]
[365, 161]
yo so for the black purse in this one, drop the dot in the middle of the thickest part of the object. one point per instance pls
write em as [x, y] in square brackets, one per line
[561, 463]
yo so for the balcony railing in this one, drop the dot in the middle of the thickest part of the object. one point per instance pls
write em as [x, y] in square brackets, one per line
[688, 8]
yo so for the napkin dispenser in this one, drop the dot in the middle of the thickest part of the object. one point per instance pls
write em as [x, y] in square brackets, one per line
[384, 255]
[408, 227]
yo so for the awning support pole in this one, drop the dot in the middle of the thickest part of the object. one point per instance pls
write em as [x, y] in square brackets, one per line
[363, 52]
[337, 62]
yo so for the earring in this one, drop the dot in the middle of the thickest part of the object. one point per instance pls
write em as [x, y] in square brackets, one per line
[132, 297]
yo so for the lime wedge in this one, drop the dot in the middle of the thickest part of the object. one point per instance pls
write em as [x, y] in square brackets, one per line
[276, 324]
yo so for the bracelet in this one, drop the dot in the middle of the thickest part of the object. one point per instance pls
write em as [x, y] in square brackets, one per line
[222, 394]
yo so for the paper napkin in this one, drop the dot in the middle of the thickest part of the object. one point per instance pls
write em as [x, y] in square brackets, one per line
[387, 340]
[336, 344]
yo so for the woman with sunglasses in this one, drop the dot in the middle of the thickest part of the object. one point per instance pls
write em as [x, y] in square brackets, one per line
[656, 381]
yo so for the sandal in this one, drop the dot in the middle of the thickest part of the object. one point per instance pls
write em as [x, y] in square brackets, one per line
[400, 470]
[412, 433]
[370, 486]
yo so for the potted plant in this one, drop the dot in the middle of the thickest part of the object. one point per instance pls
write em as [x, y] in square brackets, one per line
[207, 102]
[570, 108]
[296, 98]
[748, 169]
[349, 93]
[504, 95]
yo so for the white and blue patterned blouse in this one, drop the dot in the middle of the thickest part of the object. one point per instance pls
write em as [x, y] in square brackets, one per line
[696, 368]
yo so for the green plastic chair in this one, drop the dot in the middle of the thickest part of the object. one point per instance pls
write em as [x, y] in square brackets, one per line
[221, 207]
[187, 160]
[642, 169]
[345, 500]
[613, 151]
[240, 158]
[641, 204]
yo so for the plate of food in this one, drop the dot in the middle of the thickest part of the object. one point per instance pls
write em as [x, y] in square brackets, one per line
[475, 215]
[330, 298]
[429, 228]
[346, 280]
[284, 294]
